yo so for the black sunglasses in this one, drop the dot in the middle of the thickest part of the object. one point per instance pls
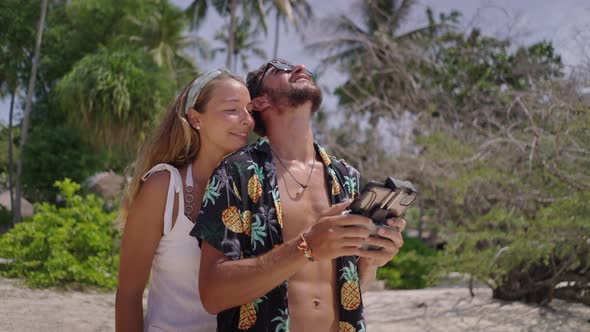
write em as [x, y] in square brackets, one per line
[281, 66]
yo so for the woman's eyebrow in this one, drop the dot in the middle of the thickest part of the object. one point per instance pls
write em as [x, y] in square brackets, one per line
[232, 99]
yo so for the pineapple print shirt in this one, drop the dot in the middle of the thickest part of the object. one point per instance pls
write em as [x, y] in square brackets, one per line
[241, 217]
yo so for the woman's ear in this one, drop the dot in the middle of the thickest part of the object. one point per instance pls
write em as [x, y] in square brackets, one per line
[194, 118]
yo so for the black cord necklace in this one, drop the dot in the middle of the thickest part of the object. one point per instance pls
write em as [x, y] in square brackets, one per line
[302, 186]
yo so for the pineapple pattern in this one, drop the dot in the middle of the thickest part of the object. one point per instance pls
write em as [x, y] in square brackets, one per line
[351, 185]
[325, 157]
[247, 222]
[242, 217]
[255, 182]
[237, 222]
[277, 202]
[345, 327]
[350, 293]
[335, 184]
[283, 321]
[211, 191]
[258, 232]
[248, 315]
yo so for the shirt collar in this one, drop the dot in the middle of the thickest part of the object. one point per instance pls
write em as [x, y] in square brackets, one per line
[263, 145]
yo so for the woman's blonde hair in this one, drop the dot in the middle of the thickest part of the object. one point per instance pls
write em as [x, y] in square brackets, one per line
[173, 142]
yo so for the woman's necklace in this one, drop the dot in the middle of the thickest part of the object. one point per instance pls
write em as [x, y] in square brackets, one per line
[302, 186]
[189, 199]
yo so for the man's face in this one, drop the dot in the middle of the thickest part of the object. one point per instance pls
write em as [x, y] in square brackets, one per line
[288, 85]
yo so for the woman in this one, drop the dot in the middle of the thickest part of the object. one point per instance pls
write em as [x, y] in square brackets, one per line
[210, 118]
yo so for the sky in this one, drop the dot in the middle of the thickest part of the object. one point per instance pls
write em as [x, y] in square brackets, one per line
[566, 23]
[523, 21]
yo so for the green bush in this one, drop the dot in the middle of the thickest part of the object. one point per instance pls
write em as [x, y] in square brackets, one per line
[73, 245]
[524, 258]
[411, 268]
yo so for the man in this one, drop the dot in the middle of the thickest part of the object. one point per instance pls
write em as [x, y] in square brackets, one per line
[272, 226]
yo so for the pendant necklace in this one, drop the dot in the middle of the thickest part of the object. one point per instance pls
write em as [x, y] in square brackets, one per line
[302, 186]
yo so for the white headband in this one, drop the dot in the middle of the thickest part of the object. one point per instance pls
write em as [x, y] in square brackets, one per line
[198, 84]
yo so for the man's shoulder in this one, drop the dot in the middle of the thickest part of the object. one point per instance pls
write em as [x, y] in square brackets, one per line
[246, 154]
[341, 165]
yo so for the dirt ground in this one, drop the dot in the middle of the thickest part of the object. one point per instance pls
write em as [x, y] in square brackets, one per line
[435, 309]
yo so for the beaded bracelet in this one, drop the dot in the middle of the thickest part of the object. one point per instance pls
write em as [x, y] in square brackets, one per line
[303, 246]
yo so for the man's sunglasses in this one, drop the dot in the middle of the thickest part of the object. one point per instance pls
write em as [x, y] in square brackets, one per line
[280, 66]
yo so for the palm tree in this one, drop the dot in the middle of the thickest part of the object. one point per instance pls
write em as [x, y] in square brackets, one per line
[382, 19]
[377, 56]
[197, 11]
[378, 59]
[295, 12]
[115, 95]
[162, 35]
[27, 111]
[244, 44]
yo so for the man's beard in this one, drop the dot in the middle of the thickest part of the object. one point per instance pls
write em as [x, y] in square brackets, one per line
[294, 97]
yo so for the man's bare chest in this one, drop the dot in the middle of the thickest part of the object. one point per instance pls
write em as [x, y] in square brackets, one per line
[300, 212]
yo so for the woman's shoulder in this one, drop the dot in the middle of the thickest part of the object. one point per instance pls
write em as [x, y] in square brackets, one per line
[156, 181]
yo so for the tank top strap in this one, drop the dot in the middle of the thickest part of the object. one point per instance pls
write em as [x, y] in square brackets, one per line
[174, 187]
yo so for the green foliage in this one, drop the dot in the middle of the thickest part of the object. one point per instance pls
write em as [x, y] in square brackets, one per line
[160, 31]
[57, 152]
[116, 95]
[499, 138]
[438, 145]
[476, 65]
[5, 218]
[60, 246]
[511, 252]
[245, 46]
[18, 21]
[4, 146]
[411, 268]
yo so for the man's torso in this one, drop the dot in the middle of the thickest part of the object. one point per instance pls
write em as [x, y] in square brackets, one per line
[312, 291]
[248, 186]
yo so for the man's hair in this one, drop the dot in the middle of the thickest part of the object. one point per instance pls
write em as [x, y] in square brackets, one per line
[255, 88]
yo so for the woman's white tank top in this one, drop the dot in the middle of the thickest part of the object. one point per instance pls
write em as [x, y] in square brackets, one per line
[174, 303]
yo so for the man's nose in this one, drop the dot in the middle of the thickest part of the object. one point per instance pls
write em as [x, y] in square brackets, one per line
[299, 68]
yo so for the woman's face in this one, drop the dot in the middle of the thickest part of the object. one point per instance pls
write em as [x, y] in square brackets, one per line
[227, 120]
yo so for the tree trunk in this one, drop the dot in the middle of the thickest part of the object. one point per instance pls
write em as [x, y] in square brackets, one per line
[231, 34]
[277, 25]
[420, 220]
[28, 105]
[10, 152]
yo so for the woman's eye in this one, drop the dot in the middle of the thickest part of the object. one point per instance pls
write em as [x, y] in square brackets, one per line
[230, 110]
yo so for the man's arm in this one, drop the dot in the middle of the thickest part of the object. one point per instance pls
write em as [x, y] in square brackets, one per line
[225, 283]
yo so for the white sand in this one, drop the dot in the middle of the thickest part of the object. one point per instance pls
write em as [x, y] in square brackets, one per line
[437, 309]
[452, 309]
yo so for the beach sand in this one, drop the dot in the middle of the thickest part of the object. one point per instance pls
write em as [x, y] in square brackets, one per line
[434, 309]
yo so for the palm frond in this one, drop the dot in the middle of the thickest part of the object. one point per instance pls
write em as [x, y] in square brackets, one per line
[196, 13]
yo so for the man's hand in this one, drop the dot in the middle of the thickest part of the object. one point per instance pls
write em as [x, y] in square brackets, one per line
[390, 244]
[335, 235]
[391, 241]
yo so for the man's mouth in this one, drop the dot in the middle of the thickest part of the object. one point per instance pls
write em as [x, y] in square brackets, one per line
[300, 77]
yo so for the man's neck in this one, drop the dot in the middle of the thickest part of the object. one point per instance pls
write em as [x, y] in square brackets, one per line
[290, 134]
